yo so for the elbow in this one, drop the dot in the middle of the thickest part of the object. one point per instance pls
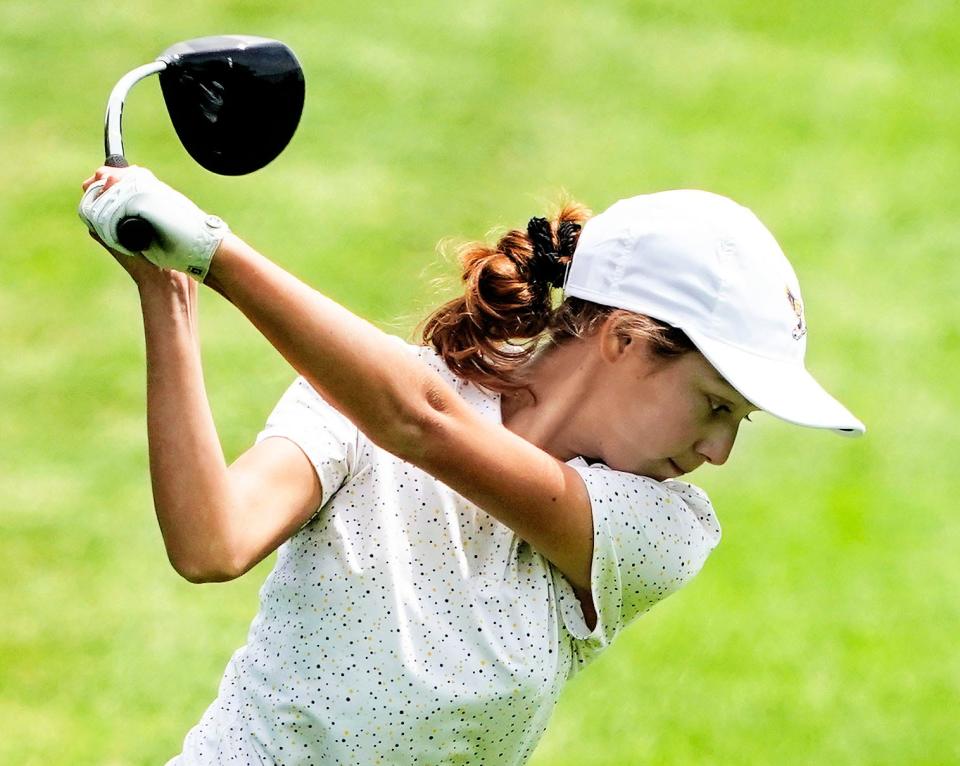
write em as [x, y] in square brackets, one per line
[414, 437]
[204, 572]
[202, 556]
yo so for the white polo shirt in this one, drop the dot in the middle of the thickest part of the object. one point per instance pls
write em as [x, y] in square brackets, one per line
[404, 625]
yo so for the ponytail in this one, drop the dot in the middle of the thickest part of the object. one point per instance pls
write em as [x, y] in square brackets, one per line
[487, 334]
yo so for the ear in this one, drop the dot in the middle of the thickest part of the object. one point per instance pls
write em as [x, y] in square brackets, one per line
[614, 345]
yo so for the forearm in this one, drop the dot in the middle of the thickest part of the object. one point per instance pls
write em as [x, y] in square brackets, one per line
[370, 378]
[188, 471]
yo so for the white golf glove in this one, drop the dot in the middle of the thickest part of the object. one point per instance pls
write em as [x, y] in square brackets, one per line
[185, 237]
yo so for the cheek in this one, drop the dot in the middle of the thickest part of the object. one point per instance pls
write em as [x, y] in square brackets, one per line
[651, 419]
[621, 433]
[673, 426]
[685, 435]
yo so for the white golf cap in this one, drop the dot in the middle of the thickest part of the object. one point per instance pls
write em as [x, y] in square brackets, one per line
[707, 265]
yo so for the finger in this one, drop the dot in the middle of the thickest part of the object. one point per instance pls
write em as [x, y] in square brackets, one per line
[109, 170]
[112, 176]
[93, 190]
[100, 175]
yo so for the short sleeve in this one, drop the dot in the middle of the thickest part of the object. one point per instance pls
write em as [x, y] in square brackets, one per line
[649, 539]
[327, 437]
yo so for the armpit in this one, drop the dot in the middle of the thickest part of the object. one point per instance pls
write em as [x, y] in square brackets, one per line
[585, 596]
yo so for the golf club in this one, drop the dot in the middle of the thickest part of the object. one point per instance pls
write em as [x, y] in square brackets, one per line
[234, 100]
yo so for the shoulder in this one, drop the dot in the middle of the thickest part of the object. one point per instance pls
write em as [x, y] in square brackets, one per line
[699, 503]
[432, 358]
[619, 492]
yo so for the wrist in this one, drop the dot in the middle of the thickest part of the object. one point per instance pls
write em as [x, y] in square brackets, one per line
[169, 289]
[216, 276]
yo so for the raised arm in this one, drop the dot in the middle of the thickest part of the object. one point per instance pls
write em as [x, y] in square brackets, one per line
[216, 521]
[357, 367]
[409, 410]
[400, 404]
[354, 365]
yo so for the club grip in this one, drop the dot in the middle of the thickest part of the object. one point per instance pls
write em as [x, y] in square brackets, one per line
[133, 233]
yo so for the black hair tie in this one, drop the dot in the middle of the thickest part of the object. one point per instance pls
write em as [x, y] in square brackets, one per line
[545, 267]
[568, 233]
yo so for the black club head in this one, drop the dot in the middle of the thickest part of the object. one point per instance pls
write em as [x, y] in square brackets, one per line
[235, 100]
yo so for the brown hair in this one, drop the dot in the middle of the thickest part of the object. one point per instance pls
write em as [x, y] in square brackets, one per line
[489, 333]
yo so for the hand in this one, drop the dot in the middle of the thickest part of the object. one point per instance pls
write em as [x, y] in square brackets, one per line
[186, 237]
[141, 271]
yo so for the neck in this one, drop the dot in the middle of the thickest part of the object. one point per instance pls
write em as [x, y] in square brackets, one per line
[559, 377]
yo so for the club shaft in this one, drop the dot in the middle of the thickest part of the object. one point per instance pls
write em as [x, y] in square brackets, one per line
[112, 130]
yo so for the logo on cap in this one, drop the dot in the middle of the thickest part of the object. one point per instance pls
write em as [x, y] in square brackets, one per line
[797, 305]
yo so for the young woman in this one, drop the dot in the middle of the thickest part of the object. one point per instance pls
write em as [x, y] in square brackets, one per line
[460, 525]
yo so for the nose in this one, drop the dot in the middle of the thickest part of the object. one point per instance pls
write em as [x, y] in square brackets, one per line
[716, 446]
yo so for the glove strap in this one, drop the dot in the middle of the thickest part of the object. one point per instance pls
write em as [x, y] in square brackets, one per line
[198, 262]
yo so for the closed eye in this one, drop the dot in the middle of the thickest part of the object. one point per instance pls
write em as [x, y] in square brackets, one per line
[725, 408]
[718, 408]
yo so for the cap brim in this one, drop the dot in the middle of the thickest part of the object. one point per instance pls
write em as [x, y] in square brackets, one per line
[784, 389]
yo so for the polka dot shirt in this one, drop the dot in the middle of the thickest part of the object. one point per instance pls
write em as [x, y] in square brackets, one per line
[403, 625]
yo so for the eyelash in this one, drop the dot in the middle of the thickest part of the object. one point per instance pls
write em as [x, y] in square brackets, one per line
[722, 407]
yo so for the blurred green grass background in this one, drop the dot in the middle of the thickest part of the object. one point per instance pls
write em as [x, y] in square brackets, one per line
[823, 629]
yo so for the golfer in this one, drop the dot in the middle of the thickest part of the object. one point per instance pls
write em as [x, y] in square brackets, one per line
[461, 525]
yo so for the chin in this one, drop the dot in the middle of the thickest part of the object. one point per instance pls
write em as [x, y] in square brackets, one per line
[673, 471]
[657, 474]
[648, 472]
